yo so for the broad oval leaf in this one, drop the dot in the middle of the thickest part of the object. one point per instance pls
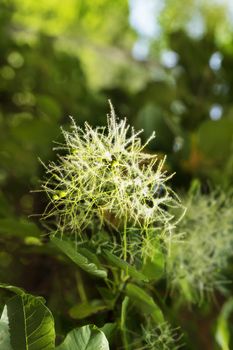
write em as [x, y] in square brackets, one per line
[31, 323]
[82, 261]
[85, 338]
[145, 302]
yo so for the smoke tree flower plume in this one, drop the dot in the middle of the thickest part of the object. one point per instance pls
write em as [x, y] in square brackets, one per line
[196, 263]
[106, 177]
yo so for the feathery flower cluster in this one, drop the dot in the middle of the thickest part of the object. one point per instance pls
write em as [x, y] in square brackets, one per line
[161, 337]
[106, 177]
[196, 262]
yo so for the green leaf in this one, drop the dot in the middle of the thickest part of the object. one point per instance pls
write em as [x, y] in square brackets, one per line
[145, 302]
[82, 261]
[31, 323]
[89, 255]
[109, 330]
[123, 265]
[222, 334]
[86, 309]
[4, 331]
[13, 289]
[85, 338]
[153, 266]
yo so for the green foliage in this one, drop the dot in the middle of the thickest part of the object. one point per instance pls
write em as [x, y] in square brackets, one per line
[79, 259]
[27, 324]
[85, 338]
[123, 245]
[59, 59]
[206, 15]
[144, 301]
[4, 331]
[222, 333]
[87, 309]
[31, 325]
[154, 260]
[123, 265]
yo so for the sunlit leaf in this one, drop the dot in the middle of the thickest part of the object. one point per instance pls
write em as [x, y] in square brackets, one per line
[4, 331]
[31, 323]
[85, 338]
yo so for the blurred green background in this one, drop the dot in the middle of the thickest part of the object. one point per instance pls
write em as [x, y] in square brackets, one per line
[166, 65]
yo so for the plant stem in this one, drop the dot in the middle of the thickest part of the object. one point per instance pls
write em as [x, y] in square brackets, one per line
[80, 287]
[125, 239]
[123, 322]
